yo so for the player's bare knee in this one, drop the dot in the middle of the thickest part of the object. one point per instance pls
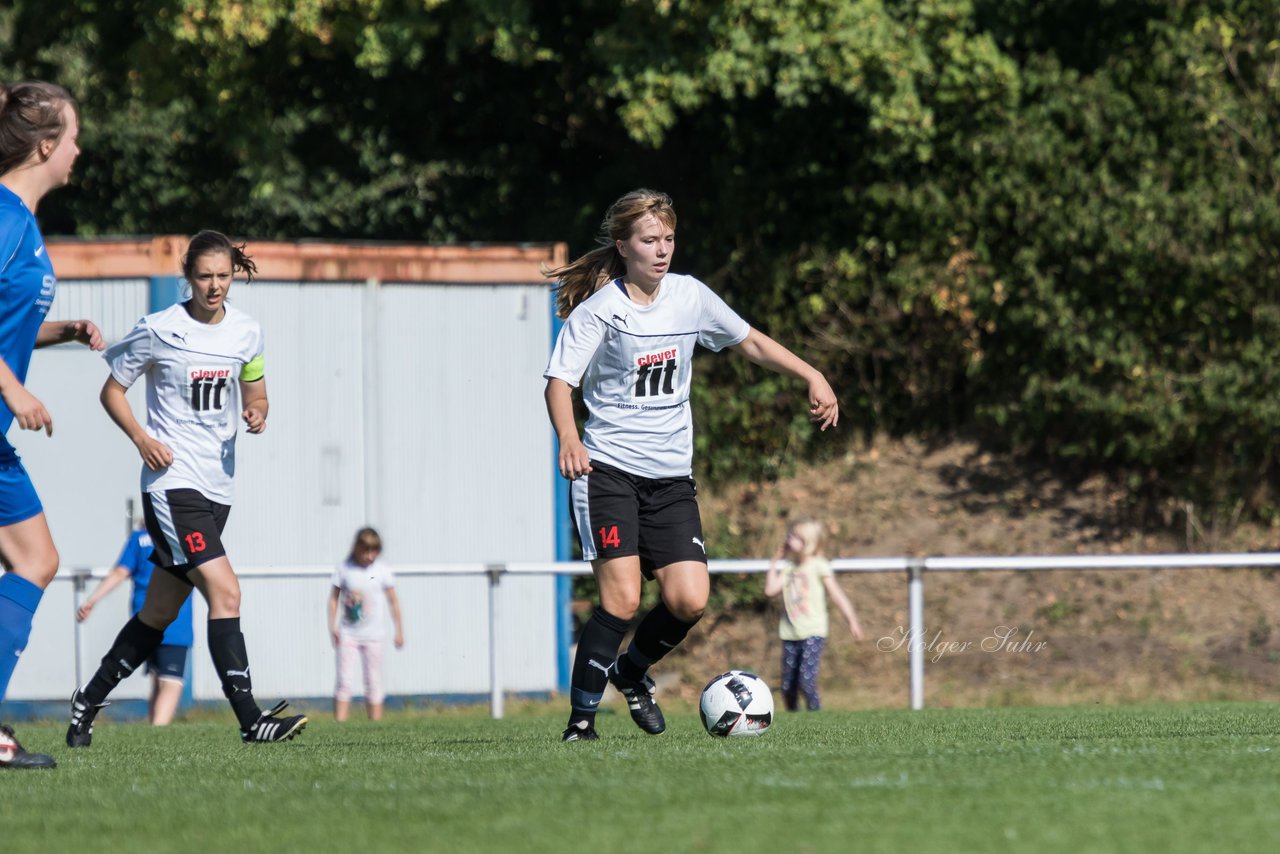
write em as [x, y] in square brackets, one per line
[687, 611]
[42, 568]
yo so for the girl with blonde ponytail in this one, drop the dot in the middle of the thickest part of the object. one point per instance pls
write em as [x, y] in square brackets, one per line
[631, 328]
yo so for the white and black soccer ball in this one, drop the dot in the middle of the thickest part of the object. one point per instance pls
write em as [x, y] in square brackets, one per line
[736, 703]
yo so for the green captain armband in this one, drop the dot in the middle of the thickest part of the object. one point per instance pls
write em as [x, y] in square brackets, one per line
[252, 370]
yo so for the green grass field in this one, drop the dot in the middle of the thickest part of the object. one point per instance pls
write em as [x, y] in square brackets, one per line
[1131, 779]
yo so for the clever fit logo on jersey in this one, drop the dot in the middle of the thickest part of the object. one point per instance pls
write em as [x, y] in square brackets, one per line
[656, 375]
[210, 388]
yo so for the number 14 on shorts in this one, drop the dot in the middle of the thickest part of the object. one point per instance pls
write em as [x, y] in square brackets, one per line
[609, 537]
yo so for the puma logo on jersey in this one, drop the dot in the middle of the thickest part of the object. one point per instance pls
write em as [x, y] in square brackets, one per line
[180, 336]
[621, 318]
[699, 544]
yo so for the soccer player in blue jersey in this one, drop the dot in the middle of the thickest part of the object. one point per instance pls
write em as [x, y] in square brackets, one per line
[628, 340]
[38, 130]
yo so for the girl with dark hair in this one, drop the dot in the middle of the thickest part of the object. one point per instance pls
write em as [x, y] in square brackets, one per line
[203, 363]
[38, 130]
[632, 326]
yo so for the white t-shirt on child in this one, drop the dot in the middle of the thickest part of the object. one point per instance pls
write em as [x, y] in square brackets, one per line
[362, 599]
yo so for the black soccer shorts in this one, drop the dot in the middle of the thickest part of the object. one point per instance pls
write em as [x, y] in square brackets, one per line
[618, 514]
[185, 528]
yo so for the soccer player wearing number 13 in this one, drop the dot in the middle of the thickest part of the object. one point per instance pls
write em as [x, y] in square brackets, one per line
[627, 343]
[203, 362]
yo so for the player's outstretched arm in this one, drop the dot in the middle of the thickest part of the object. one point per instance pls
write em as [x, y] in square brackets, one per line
[824, 409]
[62, 331]
[111, 582]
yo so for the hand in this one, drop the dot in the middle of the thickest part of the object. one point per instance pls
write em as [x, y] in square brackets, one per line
[254, 420]
[855, 629]
[27, 410]
[154, 453]
[574, 459]
[824, 409]
[86, 332]
[333, 636]
[781, 551]
[399, 639]
[83, 612]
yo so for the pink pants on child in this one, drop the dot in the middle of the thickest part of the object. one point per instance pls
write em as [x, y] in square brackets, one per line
[370, 652]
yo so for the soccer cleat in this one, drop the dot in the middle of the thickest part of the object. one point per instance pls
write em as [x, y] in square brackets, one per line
[581, 731]
[12, 754]
[639, 697]
[80, 732]
[269, 727]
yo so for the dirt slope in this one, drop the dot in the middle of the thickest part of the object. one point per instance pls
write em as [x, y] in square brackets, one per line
[997, 637]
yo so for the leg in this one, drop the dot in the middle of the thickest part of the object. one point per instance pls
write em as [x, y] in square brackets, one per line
[345, 653]
[619, 582]
[374, 696]
[168, 672]
[137, 642]
[791, 673]
[670, 540]
[685, 588]
[28, 550]
[810, 658]
[164, 704]
[217, 582]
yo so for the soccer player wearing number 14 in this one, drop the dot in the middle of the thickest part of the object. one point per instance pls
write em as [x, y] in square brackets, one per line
[202, 360]
[628, 340]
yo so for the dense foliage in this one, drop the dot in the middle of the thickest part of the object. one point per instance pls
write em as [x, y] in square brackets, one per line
[1054, 223]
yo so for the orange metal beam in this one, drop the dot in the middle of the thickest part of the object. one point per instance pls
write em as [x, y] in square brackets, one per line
[304, 261]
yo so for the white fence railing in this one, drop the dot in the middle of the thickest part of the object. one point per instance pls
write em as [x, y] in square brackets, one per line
[914, 569]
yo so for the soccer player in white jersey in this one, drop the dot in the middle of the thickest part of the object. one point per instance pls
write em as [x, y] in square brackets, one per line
[627, 343]
[203, 363]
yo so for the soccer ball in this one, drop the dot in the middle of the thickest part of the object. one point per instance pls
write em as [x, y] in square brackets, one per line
[736, 703]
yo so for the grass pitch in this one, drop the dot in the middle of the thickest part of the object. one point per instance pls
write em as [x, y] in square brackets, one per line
[1121, 778]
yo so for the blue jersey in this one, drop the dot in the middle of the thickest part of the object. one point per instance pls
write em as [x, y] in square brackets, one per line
[27, 287]
[136, 558]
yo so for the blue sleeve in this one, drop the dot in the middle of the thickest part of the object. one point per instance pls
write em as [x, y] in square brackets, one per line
[131, 553]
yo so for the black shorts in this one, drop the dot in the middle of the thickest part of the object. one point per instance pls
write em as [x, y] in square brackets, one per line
[617, 514]
[169, 662]
[185, 528]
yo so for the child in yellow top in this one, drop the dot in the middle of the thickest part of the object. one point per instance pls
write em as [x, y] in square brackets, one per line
[803, 576]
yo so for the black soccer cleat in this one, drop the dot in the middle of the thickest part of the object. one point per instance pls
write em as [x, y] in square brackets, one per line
[270, 727]
[581, 731]
[13, 755]
[639, 696]
[80, 732]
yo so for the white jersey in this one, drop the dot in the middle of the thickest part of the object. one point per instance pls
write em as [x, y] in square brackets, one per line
[193, 371]
[362, 599]
[634, 364]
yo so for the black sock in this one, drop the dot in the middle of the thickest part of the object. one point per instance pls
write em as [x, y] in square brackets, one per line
[231, 660]
[132, 647]
[658, 633]
[597, 648]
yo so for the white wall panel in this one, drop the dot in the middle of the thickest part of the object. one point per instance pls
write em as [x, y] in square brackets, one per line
[451, 461]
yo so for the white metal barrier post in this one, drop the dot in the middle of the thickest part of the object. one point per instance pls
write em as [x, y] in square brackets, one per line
[916, 630]
[495, 677]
